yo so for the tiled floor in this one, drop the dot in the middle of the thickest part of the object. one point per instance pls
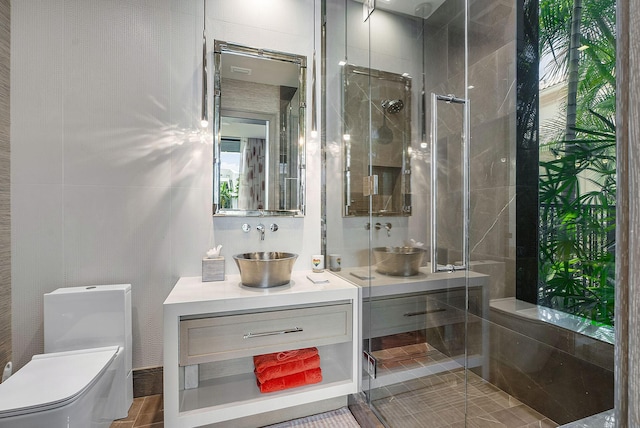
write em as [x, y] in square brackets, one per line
[438, 401]
[144, 412]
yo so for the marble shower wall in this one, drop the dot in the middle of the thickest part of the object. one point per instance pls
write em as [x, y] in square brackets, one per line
[435, 49]
[391, 134]
[564, 375]
[386, 42]
[491, 79]
[560, 374]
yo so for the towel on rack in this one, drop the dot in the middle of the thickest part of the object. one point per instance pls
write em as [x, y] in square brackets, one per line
[306, 377]
[262, 362]
[288, 368]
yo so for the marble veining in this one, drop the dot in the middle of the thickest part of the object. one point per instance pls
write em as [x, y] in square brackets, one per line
[601, 420]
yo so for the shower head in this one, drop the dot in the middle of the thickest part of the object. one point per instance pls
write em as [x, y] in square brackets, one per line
[392, 106]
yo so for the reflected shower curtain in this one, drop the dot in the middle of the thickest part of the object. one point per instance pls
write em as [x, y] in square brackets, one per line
[251, 191]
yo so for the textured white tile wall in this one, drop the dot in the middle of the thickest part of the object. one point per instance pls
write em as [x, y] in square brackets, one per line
[5, 196]
[288, 28]
[111, 174]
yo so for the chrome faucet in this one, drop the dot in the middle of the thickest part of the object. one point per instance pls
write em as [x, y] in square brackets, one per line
[260, 228]
[388, 227]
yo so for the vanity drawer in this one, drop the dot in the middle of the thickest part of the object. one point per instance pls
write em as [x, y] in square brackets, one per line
[234, 336]
[409, 313]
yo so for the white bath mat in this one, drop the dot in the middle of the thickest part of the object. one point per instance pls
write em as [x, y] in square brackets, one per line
[340, 418]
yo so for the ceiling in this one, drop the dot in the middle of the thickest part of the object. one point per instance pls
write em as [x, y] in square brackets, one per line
[416, 8]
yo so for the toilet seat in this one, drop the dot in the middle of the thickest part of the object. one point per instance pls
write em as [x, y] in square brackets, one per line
[53, 380]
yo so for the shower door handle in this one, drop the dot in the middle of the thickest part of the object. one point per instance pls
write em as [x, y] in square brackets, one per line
[449, 99]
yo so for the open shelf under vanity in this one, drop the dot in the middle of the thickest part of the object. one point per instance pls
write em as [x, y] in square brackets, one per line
[210, 341]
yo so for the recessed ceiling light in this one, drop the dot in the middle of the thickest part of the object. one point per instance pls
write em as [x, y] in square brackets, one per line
[423, 10]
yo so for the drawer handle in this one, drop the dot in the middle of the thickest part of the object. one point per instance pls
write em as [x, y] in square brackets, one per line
[413, 314]
[272, 333]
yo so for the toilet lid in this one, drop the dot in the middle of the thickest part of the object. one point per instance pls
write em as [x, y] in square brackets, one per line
[53, 380]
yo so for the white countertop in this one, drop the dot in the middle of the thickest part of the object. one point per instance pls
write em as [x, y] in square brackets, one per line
[191, 296]
[384, 285]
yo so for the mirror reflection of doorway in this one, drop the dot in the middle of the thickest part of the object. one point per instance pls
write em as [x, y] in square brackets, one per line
[243, 162]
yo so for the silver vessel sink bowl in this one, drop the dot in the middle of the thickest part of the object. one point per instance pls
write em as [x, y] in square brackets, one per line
[265, 269]
[398, 261]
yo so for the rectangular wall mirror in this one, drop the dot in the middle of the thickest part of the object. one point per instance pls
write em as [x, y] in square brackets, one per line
[385, 175]
[259, 131]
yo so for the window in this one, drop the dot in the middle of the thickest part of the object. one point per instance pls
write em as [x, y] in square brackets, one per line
[574, 130]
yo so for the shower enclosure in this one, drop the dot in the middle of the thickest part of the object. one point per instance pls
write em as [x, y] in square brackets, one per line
[421, 154]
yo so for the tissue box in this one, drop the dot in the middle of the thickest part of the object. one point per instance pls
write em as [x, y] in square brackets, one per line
[213, 269]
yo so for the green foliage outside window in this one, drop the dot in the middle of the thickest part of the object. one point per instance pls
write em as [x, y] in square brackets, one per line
[578, 185]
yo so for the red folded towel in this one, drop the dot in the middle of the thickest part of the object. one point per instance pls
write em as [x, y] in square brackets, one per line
[306, 377]
[288, 368]
[262, 362]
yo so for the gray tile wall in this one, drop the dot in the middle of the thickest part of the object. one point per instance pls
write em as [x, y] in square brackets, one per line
[563, 375]
[5, 217]
[537, 364]
[492, 73]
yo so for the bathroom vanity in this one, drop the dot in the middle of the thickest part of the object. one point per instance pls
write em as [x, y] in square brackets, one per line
[430, 302]
[212, 330]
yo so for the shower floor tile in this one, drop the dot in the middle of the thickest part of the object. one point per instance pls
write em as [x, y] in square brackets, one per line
[438, 400]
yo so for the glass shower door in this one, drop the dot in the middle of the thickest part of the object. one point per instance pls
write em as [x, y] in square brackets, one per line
[383, 62]
[424, 143]
[415, 324]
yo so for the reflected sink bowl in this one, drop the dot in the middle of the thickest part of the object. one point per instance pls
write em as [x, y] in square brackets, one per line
[265, 269]
[398, 261]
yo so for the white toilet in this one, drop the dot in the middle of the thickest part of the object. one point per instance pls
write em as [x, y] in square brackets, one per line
[84, 378]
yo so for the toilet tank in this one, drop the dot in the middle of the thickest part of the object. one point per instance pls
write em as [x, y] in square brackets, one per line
[88, 317]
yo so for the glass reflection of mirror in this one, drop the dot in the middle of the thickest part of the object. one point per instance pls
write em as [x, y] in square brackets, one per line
[258, 131]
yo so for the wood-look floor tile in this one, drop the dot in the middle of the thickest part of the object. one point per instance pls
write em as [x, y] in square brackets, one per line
[152, 404]
[146, 419]
[134, 410]
[122, 424]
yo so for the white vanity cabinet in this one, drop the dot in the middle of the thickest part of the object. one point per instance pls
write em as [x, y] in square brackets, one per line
[212, 331]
